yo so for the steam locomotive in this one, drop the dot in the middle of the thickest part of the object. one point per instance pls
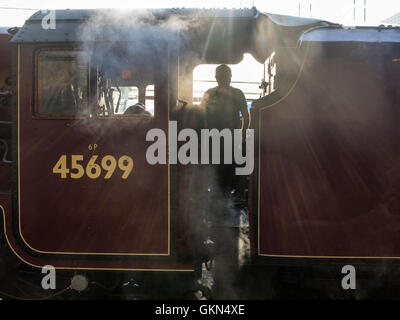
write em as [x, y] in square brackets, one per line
[79, 195]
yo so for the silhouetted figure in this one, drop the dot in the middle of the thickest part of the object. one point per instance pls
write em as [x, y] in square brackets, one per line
[223, 106]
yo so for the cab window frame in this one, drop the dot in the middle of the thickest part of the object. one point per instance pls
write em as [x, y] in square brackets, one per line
[36, 114]
[127, 116]
[93, 106]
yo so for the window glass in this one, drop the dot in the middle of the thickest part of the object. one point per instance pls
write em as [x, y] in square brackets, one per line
[128, 77]
[124, 90]
[62, 82]
[126, 100]
[150, 98]
[122, 98]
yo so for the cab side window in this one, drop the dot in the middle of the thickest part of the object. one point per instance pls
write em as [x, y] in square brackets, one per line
[125, 100]
[61, 83]
[128, 79]
[124, 94]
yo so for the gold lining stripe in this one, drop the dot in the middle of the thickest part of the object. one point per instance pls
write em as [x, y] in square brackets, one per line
[325, 257]
[79, 268]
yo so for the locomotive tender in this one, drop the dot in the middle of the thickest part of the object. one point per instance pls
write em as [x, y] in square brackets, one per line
[325, 191]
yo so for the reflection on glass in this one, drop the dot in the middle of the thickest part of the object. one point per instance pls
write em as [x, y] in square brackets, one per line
[62, 82]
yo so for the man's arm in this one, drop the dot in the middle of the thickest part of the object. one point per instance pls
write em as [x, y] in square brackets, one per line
[205, 99]
[203, 106]
[245, 115]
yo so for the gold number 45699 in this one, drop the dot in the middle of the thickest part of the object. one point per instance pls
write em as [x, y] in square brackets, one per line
[93, 170]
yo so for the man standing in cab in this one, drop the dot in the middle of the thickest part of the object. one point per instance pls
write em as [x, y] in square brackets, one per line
[223, 106]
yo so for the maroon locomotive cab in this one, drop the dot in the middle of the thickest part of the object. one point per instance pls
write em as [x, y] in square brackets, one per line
[85, 194]
[95, 96]
[327, 182]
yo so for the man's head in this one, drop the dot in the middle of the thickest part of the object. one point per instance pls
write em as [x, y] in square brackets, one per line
[223, 74]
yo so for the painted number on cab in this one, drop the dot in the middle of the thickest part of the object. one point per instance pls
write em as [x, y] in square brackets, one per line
[95, 167]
